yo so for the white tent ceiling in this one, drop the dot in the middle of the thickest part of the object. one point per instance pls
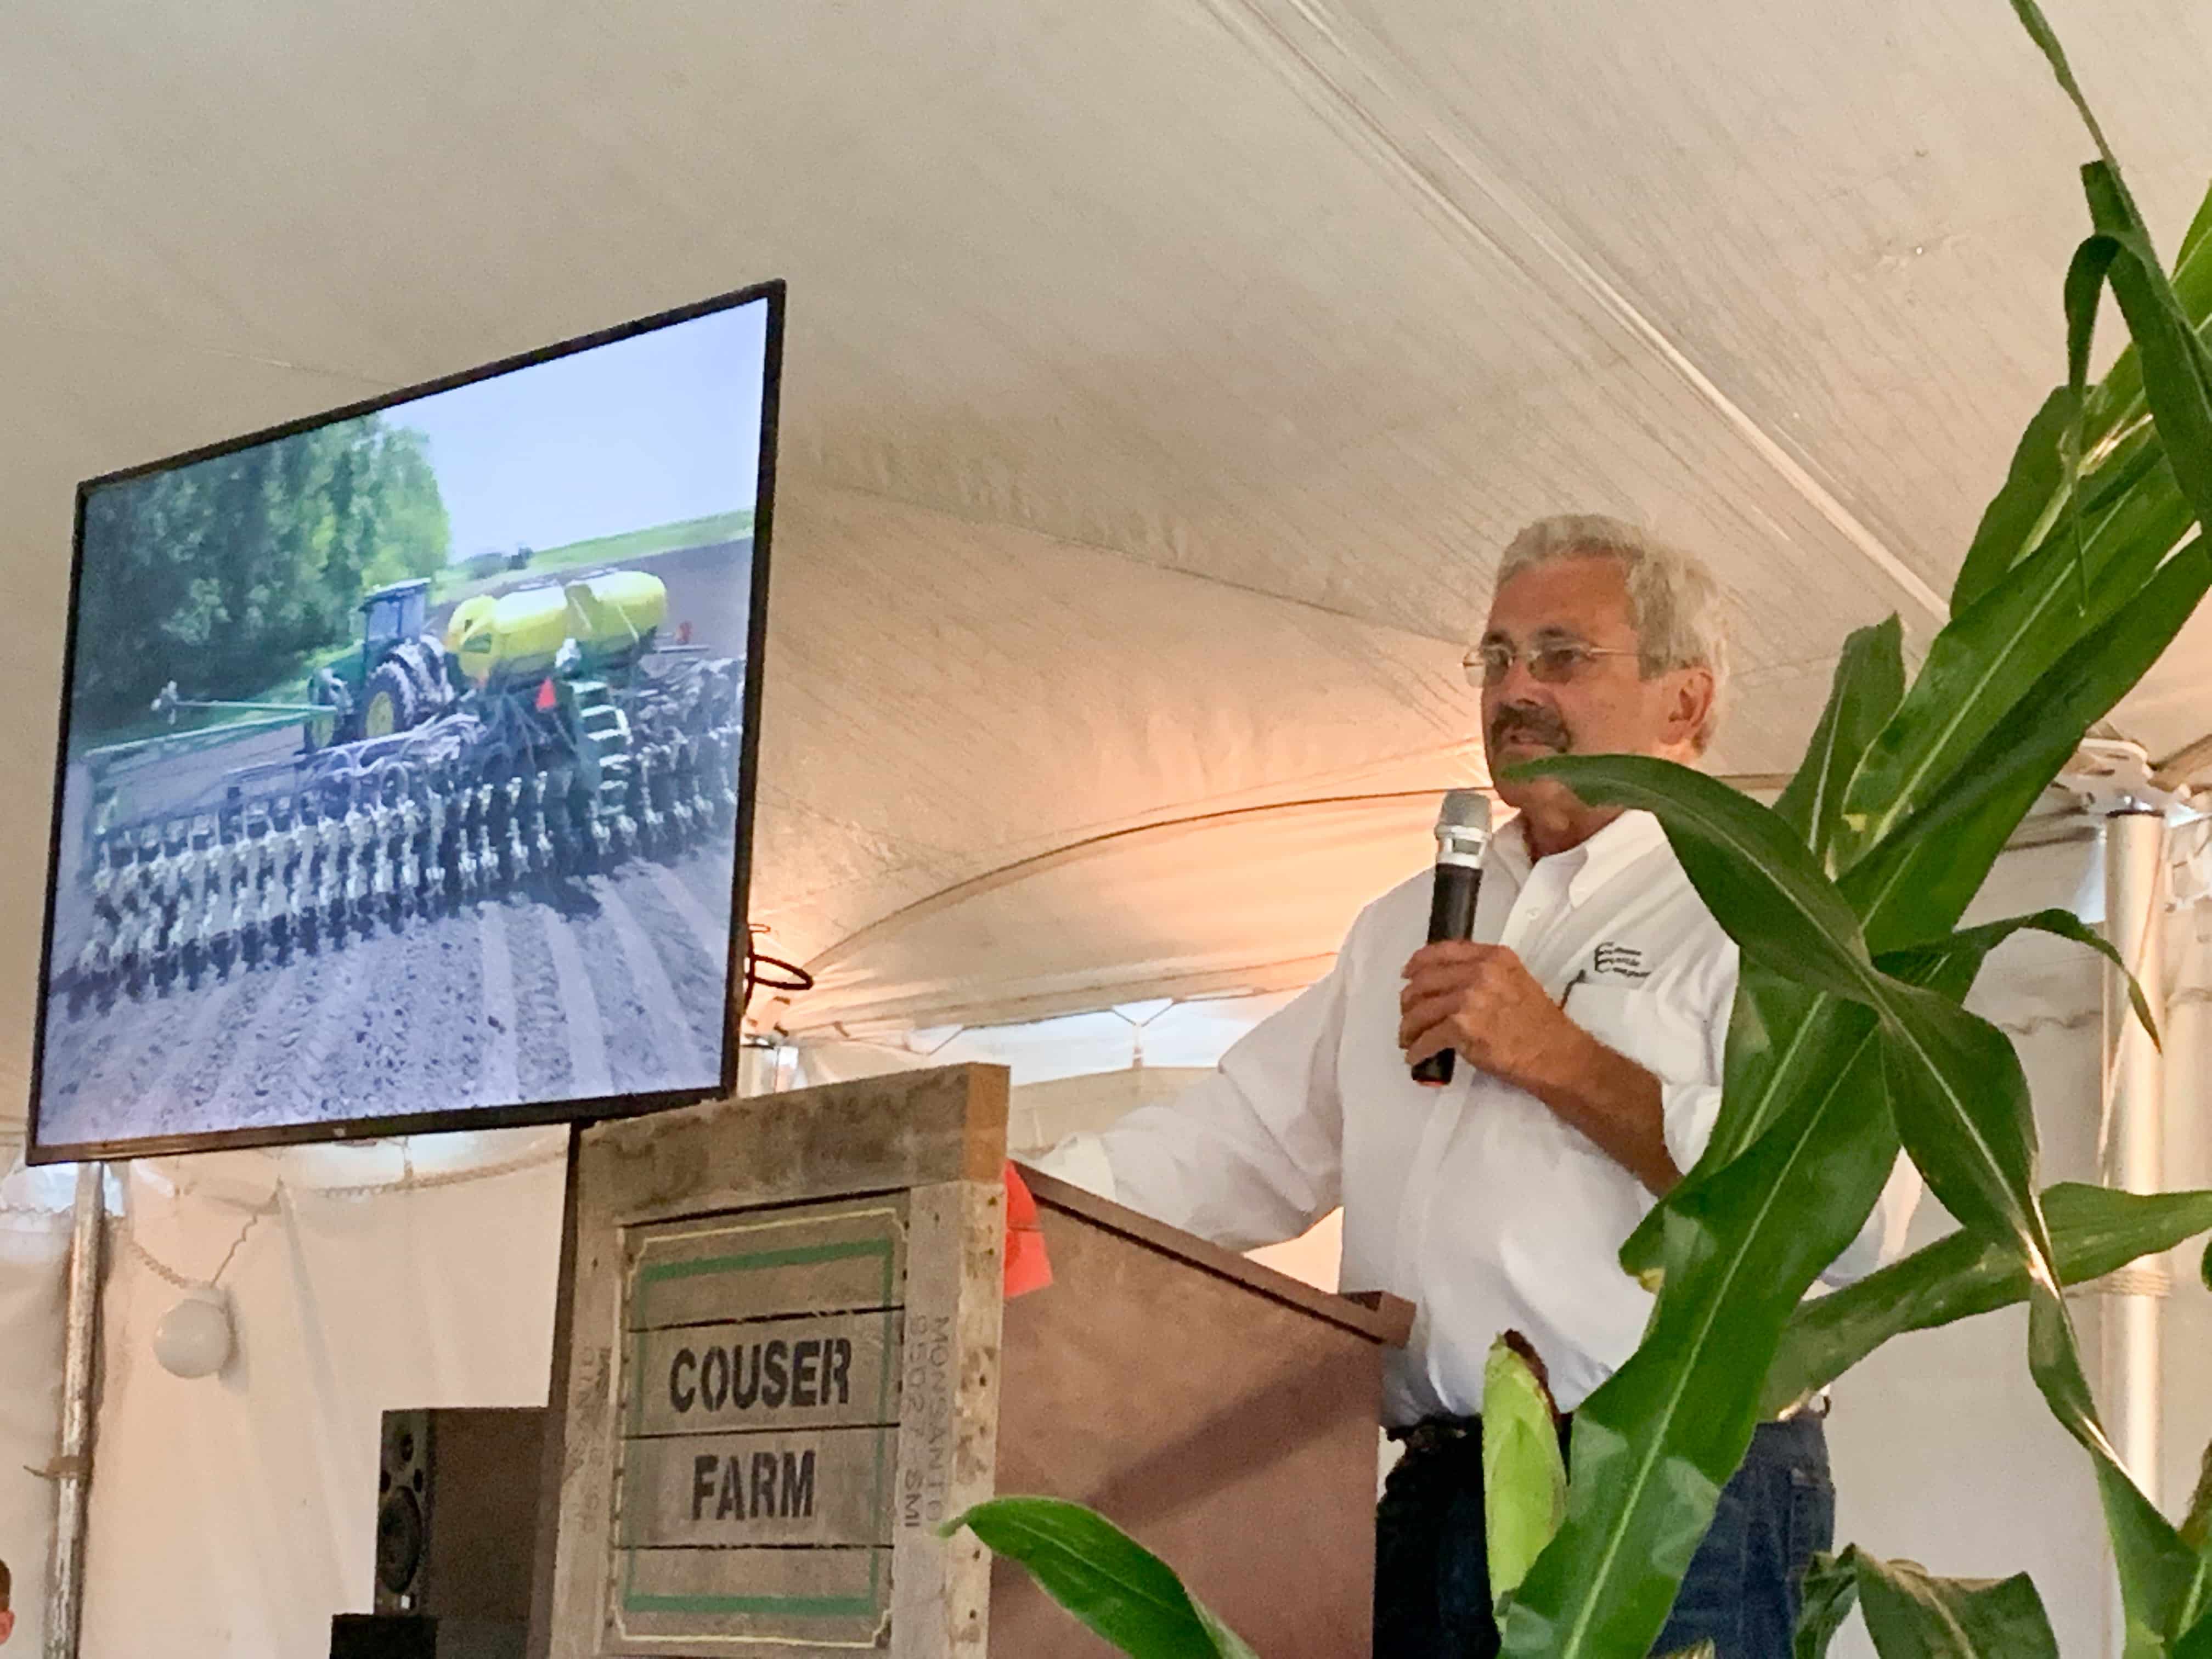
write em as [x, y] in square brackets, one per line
[1162, 376]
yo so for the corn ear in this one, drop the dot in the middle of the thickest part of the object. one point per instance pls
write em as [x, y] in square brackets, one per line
[1524, 1475]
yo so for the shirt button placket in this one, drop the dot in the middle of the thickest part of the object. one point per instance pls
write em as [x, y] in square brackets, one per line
[1426, 1182]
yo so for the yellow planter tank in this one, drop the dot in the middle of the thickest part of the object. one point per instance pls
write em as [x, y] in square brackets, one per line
[512, 634]
[531, 736]
[616, 611]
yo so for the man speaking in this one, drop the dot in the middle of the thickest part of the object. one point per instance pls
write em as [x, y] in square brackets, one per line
[1588, 1017]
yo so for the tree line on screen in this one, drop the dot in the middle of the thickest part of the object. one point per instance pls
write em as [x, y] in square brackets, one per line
[228, 576]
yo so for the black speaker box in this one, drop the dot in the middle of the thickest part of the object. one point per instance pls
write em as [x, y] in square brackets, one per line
[407, 1636]
[456, 1512]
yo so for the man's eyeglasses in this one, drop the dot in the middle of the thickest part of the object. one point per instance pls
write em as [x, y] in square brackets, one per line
[1553, 662]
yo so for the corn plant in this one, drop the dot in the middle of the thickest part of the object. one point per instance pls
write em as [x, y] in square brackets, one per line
[1848, 1039]
[1108, 1580]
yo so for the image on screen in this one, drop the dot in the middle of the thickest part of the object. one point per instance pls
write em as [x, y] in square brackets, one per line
[403, 757]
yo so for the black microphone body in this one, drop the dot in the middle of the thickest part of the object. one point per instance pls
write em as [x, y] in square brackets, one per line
[1462, 835]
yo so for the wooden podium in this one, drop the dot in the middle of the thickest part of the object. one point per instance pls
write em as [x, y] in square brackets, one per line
[785, 1358]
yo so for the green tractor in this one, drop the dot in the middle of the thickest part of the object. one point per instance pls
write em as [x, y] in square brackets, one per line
[550, 732]
[400, 677]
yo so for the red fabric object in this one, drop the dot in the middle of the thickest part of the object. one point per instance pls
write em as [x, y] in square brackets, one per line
[546, 696]
[1027, 1269]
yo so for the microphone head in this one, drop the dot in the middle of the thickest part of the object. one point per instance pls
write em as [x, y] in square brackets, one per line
[1465, 815]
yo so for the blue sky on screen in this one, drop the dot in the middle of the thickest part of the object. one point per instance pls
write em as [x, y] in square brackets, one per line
[659, 426]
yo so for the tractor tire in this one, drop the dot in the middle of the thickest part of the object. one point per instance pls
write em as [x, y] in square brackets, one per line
[388, 702]
[327, 691]
[433, 687]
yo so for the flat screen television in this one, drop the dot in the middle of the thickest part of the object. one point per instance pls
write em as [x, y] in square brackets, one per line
[405, 779]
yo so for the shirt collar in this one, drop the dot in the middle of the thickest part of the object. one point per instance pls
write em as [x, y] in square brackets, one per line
[1593, 863]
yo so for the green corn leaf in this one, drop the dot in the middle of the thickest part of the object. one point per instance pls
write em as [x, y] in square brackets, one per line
[1777, 1048]
[2174, 363]
[1922, 963]
[2166, 326]
[2177, 373]
[1961, 1098]
[1758, 879]
[2046, 472]
[1524, 1475]
[1913, 1614]
[1775, 1041]
[1782, 1044]
[1919, 882]
[1654, 1445]
[1226, 1642]
[2124, 463]
[2117, 403]
[1950, 966]
[2047, 41]
[1868, 684]
[1964, 687]
[2119, 443]
[1112, 1584]
[2097, 552]
[2195, 1644]
[1831, 1591]
[1960, 1101]
[1952, 1081]
[2095, 1231]
[2196, 1528]
[1988, 657]
[2133, 468]
[1655, 1442]
[2016, 516]
[2085, 288]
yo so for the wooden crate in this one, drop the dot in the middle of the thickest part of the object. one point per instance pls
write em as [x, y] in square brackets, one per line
[781, 1359]
[782, 1372]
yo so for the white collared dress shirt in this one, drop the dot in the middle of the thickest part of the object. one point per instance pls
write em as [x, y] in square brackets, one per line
[1474, 1201]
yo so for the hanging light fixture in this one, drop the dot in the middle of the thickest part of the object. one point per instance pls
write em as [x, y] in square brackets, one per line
[194, 1337]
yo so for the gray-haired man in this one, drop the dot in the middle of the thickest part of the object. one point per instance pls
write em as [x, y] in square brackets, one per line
[1592, 1011]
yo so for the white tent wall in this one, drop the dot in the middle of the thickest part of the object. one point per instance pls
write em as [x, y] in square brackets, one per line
[232, 1516]
[34, 1238]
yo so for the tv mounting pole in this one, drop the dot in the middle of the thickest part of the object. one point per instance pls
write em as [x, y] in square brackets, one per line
[72, 1468]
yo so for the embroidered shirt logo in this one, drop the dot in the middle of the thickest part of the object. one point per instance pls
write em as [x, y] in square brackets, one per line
[1619, 961]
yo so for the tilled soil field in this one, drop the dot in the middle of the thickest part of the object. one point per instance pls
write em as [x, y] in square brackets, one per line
[560, 988]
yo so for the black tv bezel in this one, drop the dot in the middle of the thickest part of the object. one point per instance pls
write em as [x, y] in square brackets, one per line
[452, 1118]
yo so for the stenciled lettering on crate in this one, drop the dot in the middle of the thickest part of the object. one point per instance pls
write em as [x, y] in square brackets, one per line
[780, 1360]
[761, 1392]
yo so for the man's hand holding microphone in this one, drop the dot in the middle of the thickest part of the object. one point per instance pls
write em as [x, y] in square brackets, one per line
[1479, 1002]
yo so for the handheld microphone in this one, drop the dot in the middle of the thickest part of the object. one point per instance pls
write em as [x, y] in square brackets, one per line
[1463, 836]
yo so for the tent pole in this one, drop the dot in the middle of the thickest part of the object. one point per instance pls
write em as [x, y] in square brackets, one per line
[2135, 910]
[73, 1467]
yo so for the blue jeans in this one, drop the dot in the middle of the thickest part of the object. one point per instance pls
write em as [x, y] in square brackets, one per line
[1742, 1592]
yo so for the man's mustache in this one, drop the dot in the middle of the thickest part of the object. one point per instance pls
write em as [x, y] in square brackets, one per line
[1533, 721]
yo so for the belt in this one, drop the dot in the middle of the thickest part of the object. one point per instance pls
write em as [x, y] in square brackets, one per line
[1815, 1406]
[1433, 1434]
